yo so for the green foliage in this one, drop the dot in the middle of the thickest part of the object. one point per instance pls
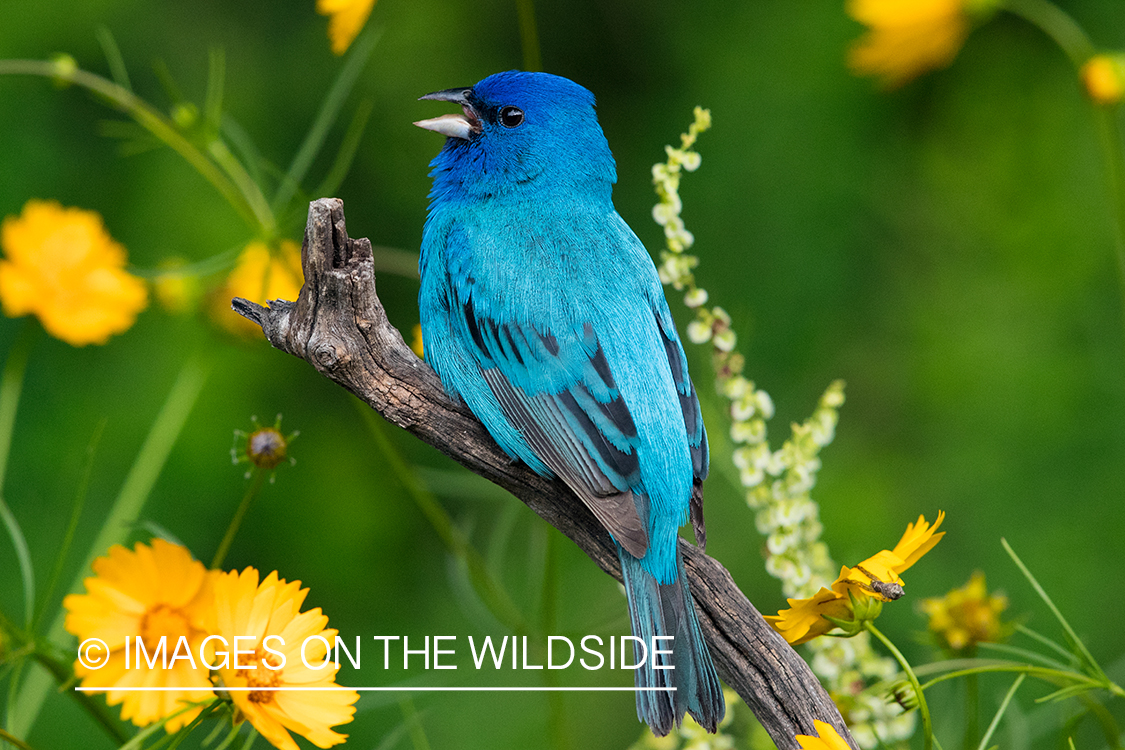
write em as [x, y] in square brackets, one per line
[948, 249]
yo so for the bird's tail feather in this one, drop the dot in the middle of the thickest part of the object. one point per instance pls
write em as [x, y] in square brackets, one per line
[668, 610]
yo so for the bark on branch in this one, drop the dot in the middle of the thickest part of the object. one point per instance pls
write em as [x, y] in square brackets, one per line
[340, 327]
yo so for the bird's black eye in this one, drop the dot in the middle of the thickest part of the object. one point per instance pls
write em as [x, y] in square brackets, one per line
[511, 117]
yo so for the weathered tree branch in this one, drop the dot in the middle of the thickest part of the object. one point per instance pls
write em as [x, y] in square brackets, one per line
[339, 326]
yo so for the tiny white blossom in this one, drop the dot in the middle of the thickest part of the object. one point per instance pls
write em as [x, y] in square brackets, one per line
[695, 298]
[698, 332]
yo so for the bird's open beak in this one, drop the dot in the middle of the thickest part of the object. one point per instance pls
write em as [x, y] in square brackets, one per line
[454, 126]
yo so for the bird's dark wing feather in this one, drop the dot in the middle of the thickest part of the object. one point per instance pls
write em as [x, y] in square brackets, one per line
[559, 393]
[693, 420]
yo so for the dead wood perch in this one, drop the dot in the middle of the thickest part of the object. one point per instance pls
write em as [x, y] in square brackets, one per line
[339, 326]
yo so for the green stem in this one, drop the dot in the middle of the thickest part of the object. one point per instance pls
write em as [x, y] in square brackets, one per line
[15, 741]
[11, 385]
[529, 35]
[20, 644]
[560, 733]
[923, 708]
[252, 491]
[1000, 712]
[246, 185]
[1073, 41]
[1055, 23]
[972, 710]
[1110, 136]
[139, 738]
[1105, 720]
[490, 590]
[333, 101]
[1099, 676]
[1054, 676]
[72, 526]
[414, 722]
[94, 708]
[119, 522]
[153, 121]
[250, 737]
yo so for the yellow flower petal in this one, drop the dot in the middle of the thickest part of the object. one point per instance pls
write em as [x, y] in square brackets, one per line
[829, 738]
[64, 268]
[346, 20]
[148, 592]
[804, 620]
[906, 37]
[967, 616]
[261, 274]
[918, 540]
[243, 606]
[1104, 78]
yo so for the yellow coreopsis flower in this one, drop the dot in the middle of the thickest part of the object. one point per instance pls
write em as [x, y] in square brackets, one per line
[268, 612]
[906, 38]
[868, 584]
[967, 616]
[62, 266]
[261, 274]
[148, 592]
[829, 738]
[1104, 78]
[346, 20]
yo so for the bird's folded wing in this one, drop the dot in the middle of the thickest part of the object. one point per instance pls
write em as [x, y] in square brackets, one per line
[562, 398]
[693, 419]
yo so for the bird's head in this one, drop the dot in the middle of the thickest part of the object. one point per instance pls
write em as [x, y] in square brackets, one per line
[517, 128]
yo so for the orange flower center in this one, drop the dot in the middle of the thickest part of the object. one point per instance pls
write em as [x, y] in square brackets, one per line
[163, 620]
[263, 676]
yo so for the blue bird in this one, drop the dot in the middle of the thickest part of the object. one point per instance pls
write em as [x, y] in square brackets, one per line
[543, 312]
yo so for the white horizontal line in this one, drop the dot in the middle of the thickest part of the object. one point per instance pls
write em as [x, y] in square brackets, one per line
[461, 689]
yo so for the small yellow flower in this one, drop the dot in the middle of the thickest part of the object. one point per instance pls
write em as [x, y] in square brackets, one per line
[906, 38]
[858, 592]
[967, 616]
[829, 738]
[416, 344]
[63, 267]
[148, 592]
[346, 20]
[1104, 79]
[261, 274]
[245, 607]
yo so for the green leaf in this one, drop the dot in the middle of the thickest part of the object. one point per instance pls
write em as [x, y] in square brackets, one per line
[1083, 652]
[27, 573]
[213, 101]
[249, 743]
[329, 109]
[1071, 659]
[130, 500]
[348, 148]
[113, 57]
[75, 515]
[1027, 655]
[244, 145]
[11, 385]
[1063, 693]
[1000, 712]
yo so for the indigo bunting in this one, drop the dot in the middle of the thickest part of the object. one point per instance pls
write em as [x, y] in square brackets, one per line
[543, 312]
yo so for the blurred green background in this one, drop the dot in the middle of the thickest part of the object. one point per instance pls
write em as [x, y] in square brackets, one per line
[947, 249]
